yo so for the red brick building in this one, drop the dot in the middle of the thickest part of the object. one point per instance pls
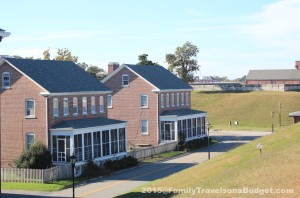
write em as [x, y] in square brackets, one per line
[58, 103]
[274, 76]
[155, 103]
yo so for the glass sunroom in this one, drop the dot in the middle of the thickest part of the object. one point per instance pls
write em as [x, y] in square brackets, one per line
[88, 139]
[191, 124]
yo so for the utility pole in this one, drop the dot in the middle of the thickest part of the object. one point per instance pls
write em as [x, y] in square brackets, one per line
[279, 113]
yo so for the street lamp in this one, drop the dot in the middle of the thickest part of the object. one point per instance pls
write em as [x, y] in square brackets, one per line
[73, 161]
[208, 144]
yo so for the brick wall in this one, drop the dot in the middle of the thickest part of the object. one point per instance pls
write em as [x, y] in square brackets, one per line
[126, 106]
[14, 125]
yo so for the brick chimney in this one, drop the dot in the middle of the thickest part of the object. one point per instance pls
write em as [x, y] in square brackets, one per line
[297, 65]
[112, 66]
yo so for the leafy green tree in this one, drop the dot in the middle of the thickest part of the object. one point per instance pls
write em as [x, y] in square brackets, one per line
[36, 157]
[65, 55]
[143, 60]
[46, 54]
[95, 71]
[183, 61]
[83, 65]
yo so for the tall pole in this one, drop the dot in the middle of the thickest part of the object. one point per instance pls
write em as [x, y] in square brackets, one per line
[279, 113]
[272, 114]
[208, 143]
[73, 166]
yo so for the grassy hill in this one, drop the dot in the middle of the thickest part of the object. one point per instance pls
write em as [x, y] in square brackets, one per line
[276, 168]
[251, 109]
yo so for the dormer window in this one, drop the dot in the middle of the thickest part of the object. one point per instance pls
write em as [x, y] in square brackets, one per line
[125, 80]
[5, 80]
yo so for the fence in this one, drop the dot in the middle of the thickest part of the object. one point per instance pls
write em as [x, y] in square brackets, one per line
[149, 152]
[35, 175]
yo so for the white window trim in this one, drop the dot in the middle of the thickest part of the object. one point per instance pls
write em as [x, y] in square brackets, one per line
[173, 100]
[66, 114]
[144, 133]
[54, 115]
[187, 102]
[123, 80]
[93, 111]
[162, 104]
[9, 86]
[29, 116]
[168, 100]
[101, 97]
[26, 138]
[75, 98]
[111, 102]
[144, 95]
[85, 113]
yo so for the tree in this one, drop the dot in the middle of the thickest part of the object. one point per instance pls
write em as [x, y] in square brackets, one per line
[65, 55]
[183, 61]
[97, 72]
[36, 157]
[143, 60]
[46, 54]
[83, 65]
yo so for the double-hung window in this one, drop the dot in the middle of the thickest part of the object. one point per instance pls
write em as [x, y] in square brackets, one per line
[125, 80]
[144, 101]
[144, 126]
[84, 106]
[30, 108]
[101, 104]
[178, 99]
[168, 100]
[172, 100]
[75, 106]
[66, 107]
[187, 100]
[55, 107]
[29, 140]
[93, 105]
[162, 104]
[182, 99]
[5, 80]
[109, 101]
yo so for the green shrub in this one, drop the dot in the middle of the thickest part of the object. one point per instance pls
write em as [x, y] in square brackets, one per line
[123, 163]
[36, 157]
[91, 169]
[194, 144]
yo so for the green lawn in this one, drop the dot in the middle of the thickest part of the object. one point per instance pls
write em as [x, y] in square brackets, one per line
[51, 186]
[251, 109]
[277, 168]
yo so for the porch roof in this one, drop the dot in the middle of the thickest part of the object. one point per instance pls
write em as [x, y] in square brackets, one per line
[294, 114]
[85, 123]
[181, 112]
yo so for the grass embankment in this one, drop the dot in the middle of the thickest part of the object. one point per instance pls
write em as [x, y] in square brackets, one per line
[251, 109]
[276, 168]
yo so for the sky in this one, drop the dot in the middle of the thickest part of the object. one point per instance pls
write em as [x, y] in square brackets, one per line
[232, 36]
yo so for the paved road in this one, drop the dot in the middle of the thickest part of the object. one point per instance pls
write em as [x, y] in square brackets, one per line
[124, 181]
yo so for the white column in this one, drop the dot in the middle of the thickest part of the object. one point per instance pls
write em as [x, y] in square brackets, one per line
[72, 149]
[118, 139]
[92, 136]
[176, 131]
[109, 135]
[101, 144]
[82, 142]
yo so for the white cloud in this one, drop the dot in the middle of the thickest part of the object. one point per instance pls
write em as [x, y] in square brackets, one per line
[277, 25]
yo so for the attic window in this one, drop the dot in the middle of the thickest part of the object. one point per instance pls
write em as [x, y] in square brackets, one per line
[125, 80]
[5, 80]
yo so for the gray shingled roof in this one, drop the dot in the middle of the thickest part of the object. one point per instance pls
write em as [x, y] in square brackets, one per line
[85, 123]
[181, 112]
[159, 76]
[58, 76]
[275, 74]
[297, 113]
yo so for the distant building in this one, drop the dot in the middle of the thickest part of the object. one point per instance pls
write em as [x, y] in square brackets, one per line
[274, 76]
[204, 79]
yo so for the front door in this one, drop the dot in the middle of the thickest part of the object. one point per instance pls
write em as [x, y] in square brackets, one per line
[61, 150]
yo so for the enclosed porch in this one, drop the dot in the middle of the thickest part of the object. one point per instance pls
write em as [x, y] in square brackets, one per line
[95, 139]
[182, 124]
